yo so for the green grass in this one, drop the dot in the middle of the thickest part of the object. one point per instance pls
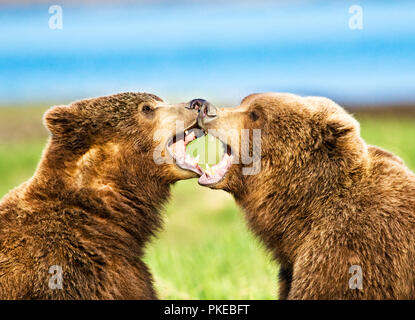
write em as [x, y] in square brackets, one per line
[209, 149]
[205, 251]
[18, 161]
[394, 134]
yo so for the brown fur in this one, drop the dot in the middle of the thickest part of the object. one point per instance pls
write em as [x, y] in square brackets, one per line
[93, 203]
[324, 200]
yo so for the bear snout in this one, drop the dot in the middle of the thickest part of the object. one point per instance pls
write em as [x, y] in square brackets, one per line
[207, 113]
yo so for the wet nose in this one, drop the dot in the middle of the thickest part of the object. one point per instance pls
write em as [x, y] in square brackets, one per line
[208, 110]
[207, 113]
[196, 104]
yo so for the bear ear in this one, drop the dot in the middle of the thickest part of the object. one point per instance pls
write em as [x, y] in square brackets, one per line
[59, 120]
[339, 128]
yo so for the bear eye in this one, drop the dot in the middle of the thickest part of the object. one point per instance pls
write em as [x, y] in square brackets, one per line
[146, 109]
[254, 116]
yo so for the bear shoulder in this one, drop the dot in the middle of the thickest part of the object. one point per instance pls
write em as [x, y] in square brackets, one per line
[380, 153]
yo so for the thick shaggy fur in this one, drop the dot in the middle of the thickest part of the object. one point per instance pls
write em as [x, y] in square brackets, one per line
[93, 202]
[323, 200]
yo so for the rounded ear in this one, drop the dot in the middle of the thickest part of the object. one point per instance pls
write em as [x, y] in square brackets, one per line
[339, 127]
[342, 124]
[59, 120]
[249, 97]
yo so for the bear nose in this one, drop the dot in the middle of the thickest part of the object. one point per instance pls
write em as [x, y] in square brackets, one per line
[196, 104]
[208, 110]
[207, 113]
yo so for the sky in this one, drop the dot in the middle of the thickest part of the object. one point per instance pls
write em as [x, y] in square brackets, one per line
[221, 51]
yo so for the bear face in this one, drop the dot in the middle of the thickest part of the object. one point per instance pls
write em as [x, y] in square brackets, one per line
[123, 132]
[291, 132]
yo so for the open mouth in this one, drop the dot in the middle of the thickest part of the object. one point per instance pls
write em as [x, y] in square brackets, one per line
[197, 151]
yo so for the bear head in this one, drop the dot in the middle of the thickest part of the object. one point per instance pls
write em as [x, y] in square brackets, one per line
[115, 139]
[281, 139]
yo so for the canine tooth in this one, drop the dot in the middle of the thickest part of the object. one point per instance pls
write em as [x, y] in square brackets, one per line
[213, 171]
[210, 170]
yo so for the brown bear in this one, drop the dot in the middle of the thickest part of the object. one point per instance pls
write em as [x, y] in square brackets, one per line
[337, 214]
[77, 229]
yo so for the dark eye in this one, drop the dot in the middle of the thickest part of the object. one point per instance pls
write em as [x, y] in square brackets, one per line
[254, 116]
[146, 109]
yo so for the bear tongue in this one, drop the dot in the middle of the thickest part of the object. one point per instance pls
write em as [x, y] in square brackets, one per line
[179, 150]
[208, 179]
[218, 171]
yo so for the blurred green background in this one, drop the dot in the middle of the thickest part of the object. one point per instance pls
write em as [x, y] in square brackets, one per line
[205, 250]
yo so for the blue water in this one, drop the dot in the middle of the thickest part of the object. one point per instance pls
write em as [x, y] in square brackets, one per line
[218, 51]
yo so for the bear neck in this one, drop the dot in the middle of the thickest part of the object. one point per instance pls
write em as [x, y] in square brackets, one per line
[116, 191]
[281, 207]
